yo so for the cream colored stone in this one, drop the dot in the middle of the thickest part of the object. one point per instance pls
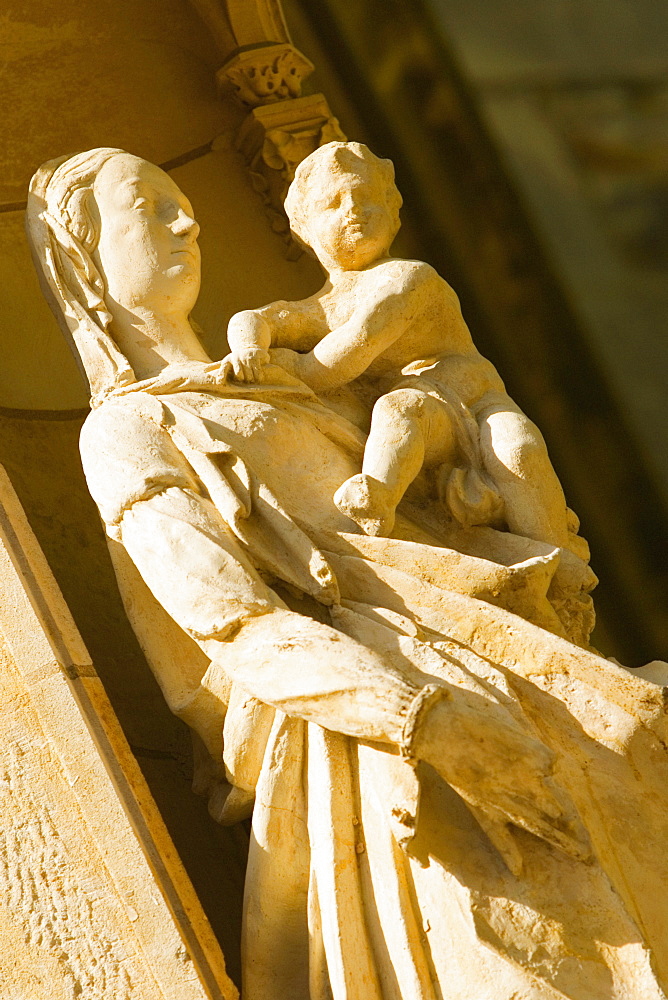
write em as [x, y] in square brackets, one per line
[274, 139]
[93, 900]
[448, 797]
[391, 332]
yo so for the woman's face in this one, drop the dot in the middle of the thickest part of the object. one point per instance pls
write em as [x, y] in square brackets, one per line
[147, 251]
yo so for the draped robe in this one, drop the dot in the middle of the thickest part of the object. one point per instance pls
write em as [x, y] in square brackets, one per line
[368, 877]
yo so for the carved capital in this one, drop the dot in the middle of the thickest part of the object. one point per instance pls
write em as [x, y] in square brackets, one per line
[265, 74]
[274, 139]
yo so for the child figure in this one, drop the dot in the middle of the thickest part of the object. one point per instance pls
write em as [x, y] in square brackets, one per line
[395, 328]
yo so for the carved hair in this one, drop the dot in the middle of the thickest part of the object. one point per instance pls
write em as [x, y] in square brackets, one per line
[64, 229]
[335, 158]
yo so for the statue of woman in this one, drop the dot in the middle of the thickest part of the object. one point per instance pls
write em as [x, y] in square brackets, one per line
[441, 810]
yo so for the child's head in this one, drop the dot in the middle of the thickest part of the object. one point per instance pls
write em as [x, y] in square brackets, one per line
[344, 205]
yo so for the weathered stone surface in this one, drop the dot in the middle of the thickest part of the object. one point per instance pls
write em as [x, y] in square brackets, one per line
[95, 902]
[391, 332]
[446, 794]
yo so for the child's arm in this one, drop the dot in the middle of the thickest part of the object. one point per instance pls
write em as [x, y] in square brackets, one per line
[249, 337]
[382, 317]
[252, 332]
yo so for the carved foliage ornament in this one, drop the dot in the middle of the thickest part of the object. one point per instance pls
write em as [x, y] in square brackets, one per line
[265, 74]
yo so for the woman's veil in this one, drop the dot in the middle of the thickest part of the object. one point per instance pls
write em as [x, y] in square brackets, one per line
[62, 236]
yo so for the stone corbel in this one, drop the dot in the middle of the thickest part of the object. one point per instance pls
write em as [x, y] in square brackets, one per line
[264, 72]
[282, 127]
[274, 139]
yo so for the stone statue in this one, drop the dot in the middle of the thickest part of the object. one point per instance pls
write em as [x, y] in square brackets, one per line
[395, 327]
[393, 331]
[447, 793]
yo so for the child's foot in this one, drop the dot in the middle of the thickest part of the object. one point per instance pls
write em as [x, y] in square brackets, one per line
[367, 502]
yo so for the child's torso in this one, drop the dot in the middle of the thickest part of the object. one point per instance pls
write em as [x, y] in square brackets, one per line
[435, 336]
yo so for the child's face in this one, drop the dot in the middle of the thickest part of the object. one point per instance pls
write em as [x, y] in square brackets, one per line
[350, 224]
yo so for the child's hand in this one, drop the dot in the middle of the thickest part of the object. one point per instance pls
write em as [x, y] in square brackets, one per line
[244, 365]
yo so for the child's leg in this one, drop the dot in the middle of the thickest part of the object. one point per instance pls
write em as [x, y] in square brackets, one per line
[407, 427]
[515, 456]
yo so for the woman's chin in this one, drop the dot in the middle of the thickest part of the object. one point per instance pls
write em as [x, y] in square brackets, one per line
[183, 281]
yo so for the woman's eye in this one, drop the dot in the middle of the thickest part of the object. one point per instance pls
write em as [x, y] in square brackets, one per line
[166, 210]
[141, 203]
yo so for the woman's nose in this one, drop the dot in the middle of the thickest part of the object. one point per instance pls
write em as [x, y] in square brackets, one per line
[185, 225]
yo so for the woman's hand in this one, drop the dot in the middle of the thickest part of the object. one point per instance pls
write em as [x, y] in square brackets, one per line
[499, 767]
[244, 365]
